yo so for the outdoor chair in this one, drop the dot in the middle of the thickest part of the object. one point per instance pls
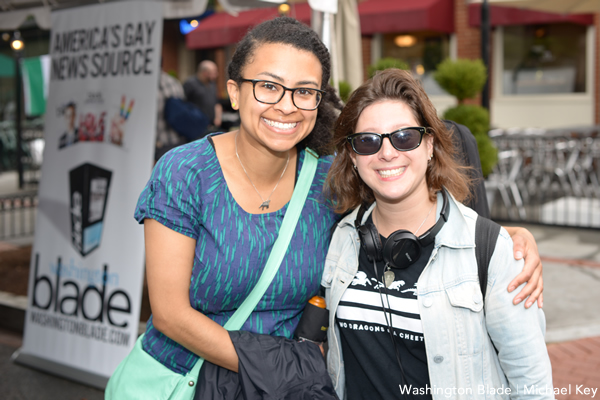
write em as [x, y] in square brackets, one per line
[503, 180]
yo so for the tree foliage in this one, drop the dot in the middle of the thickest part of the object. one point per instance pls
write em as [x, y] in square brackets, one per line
[345, 90]
[477, 119]
[385, 63]
[462, 78]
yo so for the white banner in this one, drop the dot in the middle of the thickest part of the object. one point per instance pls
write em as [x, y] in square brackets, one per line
[87, 266]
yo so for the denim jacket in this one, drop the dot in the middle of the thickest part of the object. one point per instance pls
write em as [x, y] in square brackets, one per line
[462, 332]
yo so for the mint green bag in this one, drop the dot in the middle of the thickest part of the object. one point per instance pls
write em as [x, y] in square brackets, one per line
[140, 376]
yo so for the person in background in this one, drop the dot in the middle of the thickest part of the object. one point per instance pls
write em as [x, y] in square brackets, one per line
[201, 90]
[408, 317]
[166, 137]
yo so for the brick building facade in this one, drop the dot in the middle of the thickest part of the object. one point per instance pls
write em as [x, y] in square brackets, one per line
[461, 34]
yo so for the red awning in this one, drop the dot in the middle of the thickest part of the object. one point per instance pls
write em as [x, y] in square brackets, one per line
[383, 16]
[222, 29]
[376, 16]
[500, 16]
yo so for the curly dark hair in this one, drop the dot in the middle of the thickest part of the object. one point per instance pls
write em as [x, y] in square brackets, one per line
[345, 187]
[289, 31]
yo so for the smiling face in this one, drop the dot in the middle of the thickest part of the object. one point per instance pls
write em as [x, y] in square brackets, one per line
[393, 175]
[278, 127]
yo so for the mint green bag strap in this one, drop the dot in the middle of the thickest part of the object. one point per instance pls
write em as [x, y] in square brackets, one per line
[288, 226]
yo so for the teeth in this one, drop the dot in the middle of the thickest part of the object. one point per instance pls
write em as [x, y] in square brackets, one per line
[391, 172]
[280, 125]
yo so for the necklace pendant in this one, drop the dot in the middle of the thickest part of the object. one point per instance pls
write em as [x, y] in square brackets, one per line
[265, 205]
[388, 278]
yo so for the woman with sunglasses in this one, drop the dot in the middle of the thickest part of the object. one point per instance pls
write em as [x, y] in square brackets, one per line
[407, 315]
[213, 208]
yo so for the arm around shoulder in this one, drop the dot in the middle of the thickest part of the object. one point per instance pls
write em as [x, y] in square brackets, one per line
[525, 248]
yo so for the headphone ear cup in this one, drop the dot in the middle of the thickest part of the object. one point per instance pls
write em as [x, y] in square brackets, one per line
[401, 249]
[370, 241]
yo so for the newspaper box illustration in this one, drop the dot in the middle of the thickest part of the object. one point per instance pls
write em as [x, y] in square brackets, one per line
[89, 186]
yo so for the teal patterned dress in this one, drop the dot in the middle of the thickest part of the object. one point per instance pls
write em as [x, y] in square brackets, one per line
[187, 192]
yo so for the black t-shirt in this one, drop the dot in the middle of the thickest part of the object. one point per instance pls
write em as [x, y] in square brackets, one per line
[371, 366]
[204, 96]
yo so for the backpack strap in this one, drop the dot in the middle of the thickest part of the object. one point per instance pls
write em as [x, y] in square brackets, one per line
[486, 235]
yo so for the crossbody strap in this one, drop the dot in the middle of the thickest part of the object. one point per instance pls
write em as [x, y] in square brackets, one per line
[288, 226]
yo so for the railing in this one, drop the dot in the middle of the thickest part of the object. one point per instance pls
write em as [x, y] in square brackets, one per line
[32, 146]
[17, 215]
[547, 176]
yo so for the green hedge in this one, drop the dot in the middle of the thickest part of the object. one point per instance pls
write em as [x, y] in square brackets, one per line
[477, 119]
[385, 63]
[464, 79]
[345, 90]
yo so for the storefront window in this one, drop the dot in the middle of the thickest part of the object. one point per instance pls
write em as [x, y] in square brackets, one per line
[423, 52]
[544, 59]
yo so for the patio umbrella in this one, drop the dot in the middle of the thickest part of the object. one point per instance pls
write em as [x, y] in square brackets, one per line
[555, 6]
[348, 40]
[339, 28]
[233, 7]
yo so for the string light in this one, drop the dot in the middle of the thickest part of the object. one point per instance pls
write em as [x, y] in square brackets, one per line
[284, 9]
[405, 40]
[17, 44]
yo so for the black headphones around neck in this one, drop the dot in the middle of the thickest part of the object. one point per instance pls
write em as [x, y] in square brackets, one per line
[402, 248]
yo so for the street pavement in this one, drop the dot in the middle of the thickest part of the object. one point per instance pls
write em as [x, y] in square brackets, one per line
[571, 259]
[22, 383]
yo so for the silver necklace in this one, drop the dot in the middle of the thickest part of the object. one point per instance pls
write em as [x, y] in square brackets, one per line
[265, 203]
[428, 214]
[388, 275]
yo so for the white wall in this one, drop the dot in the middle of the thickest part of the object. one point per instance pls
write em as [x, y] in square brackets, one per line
[542, 111]
[442, 103]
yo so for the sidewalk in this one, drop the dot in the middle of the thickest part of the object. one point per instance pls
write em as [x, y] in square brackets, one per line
[571, 259]
[576, 367]
[22, 383]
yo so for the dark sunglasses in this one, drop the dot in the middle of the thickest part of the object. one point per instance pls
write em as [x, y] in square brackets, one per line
[405, 139]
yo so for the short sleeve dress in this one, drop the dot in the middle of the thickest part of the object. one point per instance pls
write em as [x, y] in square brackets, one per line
[187, 192]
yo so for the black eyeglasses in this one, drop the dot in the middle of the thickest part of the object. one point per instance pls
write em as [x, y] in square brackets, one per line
[268, 92]
[405, 139]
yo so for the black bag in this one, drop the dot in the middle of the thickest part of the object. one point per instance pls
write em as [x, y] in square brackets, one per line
[185, 118]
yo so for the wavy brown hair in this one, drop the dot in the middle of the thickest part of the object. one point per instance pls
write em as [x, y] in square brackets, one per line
[343, 184]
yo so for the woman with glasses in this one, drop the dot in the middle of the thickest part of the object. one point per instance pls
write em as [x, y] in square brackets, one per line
[213, 208]
[407, 315]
